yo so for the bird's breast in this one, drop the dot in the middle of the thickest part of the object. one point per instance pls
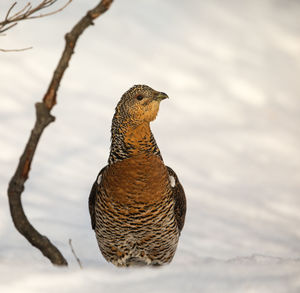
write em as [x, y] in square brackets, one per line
[139, 179]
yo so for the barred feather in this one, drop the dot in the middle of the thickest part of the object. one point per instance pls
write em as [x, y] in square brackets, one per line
[136, 214]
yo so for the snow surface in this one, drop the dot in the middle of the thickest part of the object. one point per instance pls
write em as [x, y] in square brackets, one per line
[230, 130]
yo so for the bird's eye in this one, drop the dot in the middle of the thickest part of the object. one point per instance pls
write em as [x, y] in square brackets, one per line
[139, 97]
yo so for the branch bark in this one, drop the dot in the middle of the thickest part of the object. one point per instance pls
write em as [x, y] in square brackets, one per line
[43, 119]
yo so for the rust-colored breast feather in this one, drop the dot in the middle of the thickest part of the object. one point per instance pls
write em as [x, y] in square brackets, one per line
[137, 179]
[134, 207]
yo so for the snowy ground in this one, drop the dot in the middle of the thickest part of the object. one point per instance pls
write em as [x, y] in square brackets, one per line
[230, 130]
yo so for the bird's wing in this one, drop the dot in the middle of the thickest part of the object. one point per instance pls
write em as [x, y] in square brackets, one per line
[92, 197]
[179, 197]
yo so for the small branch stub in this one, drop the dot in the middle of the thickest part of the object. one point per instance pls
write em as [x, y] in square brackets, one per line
[74, 253]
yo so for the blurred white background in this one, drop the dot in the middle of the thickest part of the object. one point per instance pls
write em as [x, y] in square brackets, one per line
[230, 130]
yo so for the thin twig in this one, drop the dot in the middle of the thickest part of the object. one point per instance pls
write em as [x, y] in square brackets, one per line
[43, 119]
[15, 50]
[27, 12]
[50, 13]
[10, 9]
[26, 8]
[8, 27]
[75, 255]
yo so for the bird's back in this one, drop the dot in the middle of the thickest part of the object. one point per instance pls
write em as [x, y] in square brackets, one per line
[134, 211]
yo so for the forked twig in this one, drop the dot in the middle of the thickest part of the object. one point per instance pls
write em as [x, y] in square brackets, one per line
[27, 12]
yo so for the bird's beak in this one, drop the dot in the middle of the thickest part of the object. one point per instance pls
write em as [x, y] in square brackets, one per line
[160, 96]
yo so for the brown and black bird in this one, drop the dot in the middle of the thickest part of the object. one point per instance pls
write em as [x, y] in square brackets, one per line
[137, 205]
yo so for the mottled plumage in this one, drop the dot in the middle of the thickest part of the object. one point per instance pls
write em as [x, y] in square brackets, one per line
[137, 204]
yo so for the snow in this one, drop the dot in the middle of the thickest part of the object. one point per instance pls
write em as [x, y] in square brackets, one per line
[172, 181]
[230, 130]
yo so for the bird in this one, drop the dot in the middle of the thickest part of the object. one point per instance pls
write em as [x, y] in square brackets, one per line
[137, 204]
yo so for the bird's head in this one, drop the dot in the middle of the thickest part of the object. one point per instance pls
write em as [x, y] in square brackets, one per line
[139, 104]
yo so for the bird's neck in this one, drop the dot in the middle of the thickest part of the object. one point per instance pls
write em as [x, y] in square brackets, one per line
[129, 140]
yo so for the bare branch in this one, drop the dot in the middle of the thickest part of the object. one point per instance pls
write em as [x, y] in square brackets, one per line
[75, 255]
[71, 39]
[26, 8]
[43, 119]
[51, 13]
[27, 12]
[10, 9]
[8, 27]
[15, 50]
